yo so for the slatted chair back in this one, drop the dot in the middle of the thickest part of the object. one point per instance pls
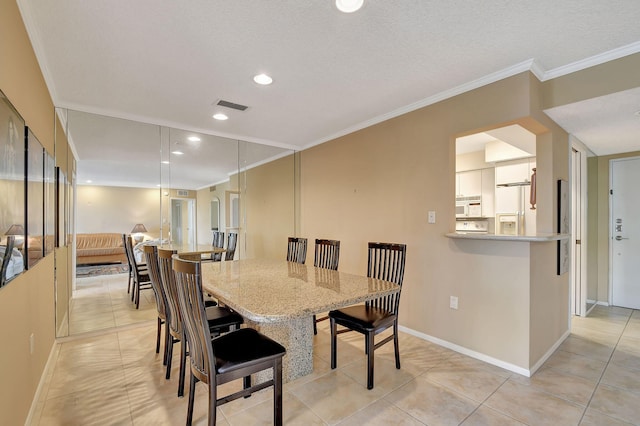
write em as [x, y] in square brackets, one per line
[386, 262]
[297, 250]
[131, 256]
[6, 258]
[327, 254]
[232, 242]
[218, 241]
[189, 285]
[169, 282]
[151, 259]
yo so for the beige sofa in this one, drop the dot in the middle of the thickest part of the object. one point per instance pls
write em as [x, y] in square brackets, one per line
[99, 248]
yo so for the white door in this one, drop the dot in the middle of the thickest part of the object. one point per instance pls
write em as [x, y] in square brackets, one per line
[183, 221]
[625, 232]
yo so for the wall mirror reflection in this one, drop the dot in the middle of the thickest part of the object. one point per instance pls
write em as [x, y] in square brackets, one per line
[175, 183]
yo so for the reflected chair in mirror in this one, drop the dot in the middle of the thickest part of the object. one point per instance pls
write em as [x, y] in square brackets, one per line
[232, 242]
[219, 319]
[151, 258]
[141, 280]
[6, 258]
[297, 250]
[327, 256]
[385, 262]
[226, 358]
[141, 266]
[218, 242]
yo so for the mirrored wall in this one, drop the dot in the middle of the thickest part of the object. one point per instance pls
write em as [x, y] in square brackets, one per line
[181, 186]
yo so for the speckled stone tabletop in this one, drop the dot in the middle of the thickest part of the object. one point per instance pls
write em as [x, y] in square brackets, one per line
[279, 299]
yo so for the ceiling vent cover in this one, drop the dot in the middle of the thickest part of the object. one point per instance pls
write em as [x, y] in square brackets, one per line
[183, 193]
[231, 105]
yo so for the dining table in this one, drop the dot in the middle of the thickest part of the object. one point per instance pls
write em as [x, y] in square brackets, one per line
[279, 298]
[192, 249]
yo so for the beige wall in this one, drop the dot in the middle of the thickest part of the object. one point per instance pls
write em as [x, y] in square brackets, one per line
[117, 209]
[27, 303]
[378, 184]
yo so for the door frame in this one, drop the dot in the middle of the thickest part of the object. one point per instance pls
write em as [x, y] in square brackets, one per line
[578, 276]
[191, 217]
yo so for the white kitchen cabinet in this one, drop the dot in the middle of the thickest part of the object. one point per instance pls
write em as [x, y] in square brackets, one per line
[469, 184]
[488, 192]
[514, 171]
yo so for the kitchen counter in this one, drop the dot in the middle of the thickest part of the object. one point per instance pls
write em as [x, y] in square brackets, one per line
[539, 237]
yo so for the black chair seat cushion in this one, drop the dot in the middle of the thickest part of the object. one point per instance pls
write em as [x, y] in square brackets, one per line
[222, 317]
[242, 348]
[362, 317]
[209, 303]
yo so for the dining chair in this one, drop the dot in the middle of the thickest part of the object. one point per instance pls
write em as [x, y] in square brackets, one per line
[219, 319]
[141, 280]
[151, 258]
[217, 241]
[385, 262]
[6, 258]
[297, 250]
[327, 256]
[232, 242]
[231, 356]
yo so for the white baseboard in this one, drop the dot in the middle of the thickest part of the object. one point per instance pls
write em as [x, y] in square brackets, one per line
[43, 378]
[601, 303]
[465, 351]
[550, 352]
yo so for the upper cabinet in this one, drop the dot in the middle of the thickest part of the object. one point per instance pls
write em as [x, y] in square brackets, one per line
[516, 171]
[469, 184]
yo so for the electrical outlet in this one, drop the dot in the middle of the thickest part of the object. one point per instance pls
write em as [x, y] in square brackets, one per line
[431, 217]
[453, 302]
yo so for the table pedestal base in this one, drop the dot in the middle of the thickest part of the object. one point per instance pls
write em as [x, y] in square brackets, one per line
[296, 336]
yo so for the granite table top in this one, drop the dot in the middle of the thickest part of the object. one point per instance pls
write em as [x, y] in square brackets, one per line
[192, 248]
[265, 290]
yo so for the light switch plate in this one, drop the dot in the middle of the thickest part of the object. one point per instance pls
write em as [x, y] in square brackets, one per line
[431, 216]
[453, 302]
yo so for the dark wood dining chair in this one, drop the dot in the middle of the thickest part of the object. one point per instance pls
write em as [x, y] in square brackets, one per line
[141, 280]
[151, 258]
[232, 242]
[219, 319]
[6, 258]
[297, 250]
[229, 357]
[327, 256]
[218, 242]
[385, 262]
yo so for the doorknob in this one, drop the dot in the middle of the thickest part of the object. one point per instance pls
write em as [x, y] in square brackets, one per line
[619, 238]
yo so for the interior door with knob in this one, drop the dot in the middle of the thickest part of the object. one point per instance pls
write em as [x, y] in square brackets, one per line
[625, 232]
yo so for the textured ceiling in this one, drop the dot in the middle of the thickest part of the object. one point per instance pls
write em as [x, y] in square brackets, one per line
[168, 62]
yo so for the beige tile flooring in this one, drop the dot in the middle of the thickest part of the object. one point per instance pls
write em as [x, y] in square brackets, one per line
[115, 377]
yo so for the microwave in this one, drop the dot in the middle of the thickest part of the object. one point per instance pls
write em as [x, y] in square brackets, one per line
[469, 206]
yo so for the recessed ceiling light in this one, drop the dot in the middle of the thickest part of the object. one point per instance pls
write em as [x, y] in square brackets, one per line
[220, 116]
[177, 152]
[194, 138]
[89, 181]
[165, 162]
[349, 6]
[263, 79]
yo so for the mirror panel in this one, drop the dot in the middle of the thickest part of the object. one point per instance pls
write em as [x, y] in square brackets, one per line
[200, 173]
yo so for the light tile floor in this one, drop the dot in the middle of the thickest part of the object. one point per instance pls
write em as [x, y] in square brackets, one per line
[115, 377]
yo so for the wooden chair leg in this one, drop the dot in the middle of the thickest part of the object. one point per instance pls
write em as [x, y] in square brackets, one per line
[396, 345]
[169, 358]
[246, 384]
[334, 329]
[183, 365]
[158, 335]
[167, 343]
[315, 327]
[277, 392]
[213, 395]
[369, 345]
[192, 394]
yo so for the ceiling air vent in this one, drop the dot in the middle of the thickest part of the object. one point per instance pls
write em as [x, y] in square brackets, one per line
[231, 105]
[212, 188]
[182, 193]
